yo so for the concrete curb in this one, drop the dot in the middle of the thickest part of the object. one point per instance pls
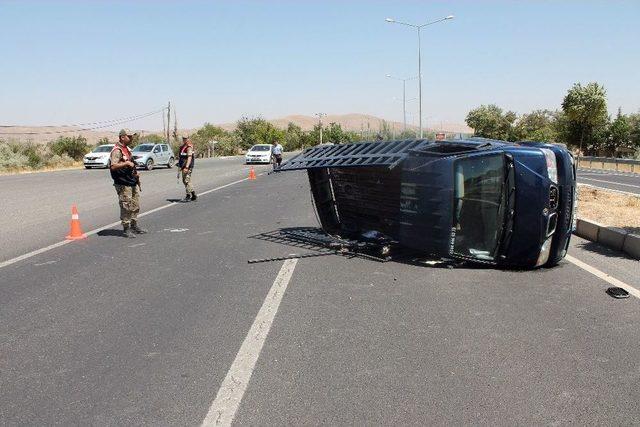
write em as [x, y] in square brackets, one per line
[611, 237]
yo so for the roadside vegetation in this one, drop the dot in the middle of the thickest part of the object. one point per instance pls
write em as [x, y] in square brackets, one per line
[582, 123]
[609, 208]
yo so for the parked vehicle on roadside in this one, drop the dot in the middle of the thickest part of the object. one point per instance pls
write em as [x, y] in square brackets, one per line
[259, 153]
[99, 157]
[152, 155]
[479, 200]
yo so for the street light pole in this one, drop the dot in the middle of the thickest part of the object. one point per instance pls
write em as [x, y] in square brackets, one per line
[419, 27]
[404, 98]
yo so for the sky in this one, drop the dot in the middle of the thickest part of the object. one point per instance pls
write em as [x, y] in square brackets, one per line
[87, 61]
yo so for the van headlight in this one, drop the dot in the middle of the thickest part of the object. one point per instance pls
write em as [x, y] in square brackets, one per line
[545, 250]
[552, 167]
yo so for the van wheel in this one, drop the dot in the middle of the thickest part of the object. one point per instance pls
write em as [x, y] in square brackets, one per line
[149, 164]
[170, 163]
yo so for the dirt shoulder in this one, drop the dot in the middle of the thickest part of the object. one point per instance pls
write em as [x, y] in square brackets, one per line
[609, 208]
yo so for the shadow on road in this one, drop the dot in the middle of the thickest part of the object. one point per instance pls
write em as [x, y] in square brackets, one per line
[602, 250]
[110, 233]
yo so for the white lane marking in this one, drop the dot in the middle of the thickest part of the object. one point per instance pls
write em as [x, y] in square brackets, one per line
[224, 407]
[137, 245]
[604, 276]
[105, 227]
[610, 182]
[580, 184]
[605, 172]
[45, 263]
[176, 230]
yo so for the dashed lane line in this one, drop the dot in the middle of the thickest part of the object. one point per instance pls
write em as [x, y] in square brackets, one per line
[604, 276]
[104, 227]
[224, 407]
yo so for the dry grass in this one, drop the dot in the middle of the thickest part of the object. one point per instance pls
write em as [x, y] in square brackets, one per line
[75, 165]
[609, 208]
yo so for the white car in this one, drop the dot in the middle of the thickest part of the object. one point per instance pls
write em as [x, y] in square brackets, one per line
[259, 153]
[99, 157]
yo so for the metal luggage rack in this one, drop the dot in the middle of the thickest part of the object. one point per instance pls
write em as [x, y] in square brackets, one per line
[360, 154]
[316, 240]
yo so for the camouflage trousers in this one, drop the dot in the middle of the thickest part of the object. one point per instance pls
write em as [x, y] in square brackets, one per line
[186, 180]
[129, 201]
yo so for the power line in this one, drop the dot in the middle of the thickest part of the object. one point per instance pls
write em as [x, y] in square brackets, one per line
[100, 125]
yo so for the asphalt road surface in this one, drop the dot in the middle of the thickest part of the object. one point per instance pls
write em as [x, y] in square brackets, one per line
[176, 328]
[610, 180]
[36, 208]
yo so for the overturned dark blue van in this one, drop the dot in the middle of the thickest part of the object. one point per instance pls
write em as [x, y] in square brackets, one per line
[480, 200]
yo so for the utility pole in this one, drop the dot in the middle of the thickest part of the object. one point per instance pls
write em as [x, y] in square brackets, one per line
[168, 123]
[320, 124]
[175, 126]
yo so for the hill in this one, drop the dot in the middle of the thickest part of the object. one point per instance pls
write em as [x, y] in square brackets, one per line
[351, 122]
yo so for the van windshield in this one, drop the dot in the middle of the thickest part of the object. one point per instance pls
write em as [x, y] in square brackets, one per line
[478, 205]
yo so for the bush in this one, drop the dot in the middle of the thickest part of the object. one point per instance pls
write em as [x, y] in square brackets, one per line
[74, 147]
[11, 157]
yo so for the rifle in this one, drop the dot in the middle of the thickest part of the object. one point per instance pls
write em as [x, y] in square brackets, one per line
[137, 176]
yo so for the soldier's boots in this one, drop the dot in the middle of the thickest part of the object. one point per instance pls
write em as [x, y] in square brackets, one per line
[187, 198]
[128, 232]
[136, 229]
[193, 196]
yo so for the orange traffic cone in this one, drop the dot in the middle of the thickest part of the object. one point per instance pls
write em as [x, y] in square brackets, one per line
[76, 231]
[252, 174]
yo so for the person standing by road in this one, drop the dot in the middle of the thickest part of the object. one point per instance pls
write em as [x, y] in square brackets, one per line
[127, 184]
[276, 152]
[185, 163]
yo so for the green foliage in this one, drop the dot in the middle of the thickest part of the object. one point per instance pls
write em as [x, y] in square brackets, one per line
[75, 147]
[619, 132]
[634, 131]
[489, 121]
[257, 131]
[536, 126]
[153, 138]
[585, 108]
[16, 156]
[103, 141]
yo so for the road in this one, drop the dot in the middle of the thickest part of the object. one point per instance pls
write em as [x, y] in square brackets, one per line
[36, 208]
[176, 328]
[611, 180]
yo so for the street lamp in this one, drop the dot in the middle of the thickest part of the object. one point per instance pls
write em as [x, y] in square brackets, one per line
[404, 98]
[419, 27]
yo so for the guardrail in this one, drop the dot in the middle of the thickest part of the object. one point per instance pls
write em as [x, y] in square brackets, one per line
[609, 163]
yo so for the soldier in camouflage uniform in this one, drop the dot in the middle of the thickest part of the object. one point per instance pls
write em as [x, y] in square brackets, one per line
[125, 180]
[185, 163]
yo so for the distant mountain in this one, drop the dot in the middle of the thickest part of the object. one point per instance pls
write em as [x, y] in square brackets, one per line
[351, 122]
[355, 122]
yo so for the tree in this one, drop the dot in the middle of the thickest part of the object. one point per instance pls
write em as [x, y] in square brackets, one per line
[585, 108]
[619, 133]
[489, 121]
[536, 126]
[203, 137]
[153, 138]
[75, 147]
[634, 130]
[257, 131]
